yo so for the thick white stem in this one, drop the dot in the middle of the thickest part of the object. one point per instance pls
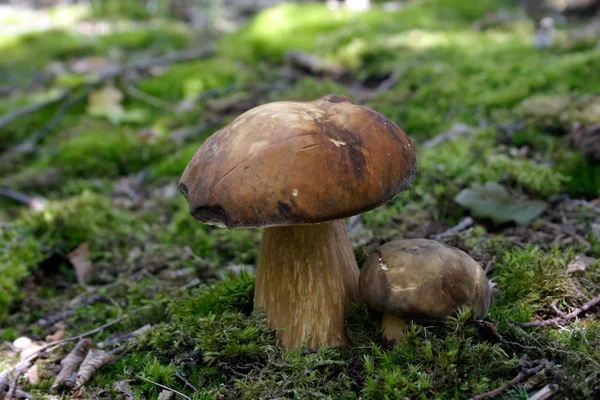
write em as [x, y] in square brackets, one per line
[307, 279]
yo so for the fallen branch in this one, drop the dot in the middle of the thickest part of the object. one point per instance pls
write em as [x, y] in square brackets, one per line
[94, 360]
[545, 393]
[183, 379]
[562, 318]
[516, 380]
[60, 343]
[69, 364]
[163, 386]
[19, 370]
[52, 319]
[35, 203]
[561, 229]
[125, 338]
[31, 108]
[4, 383]
[457, 129]
[462, 225]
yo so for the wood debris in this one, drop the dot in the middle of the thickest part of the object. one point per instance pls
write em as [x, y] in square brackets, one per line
[94, 360]
[70, 363]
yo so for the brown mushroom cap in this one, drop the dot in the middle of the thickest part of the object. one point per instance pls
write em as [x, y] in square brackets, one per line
[288, 163]
[423, 279]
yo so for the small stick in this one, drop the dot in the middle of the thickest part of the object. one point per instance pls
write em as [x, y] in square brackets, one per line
[517, 379]
[545, 393]
[555, 321]
[574, 235]
[462, 225]
[19, 370]
[163, 386]
[557, 311]
[143, 96]
[458, 129]
[36, 203]
[183, 379]
[6, 119]
[52, 319]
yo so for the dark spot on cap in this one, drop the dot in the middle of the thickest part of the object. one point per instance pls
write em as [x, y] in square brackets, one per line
[184, 190]
[285, 211]
[214, 215]
[337, 98]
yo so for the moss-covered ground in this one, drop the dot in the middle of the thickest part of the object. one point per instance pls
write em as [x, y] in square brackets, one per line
[110, 180]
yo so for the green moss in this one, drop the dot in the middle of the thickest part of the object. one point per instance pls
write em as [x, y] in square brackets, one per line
[174, 164]
[556, 114]
[107, 153]
[185, 81]
[529, 280]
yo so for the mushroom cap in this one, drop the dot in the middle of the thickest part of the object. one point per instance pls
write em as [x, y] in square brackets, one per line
[423, 279]
[288, 163]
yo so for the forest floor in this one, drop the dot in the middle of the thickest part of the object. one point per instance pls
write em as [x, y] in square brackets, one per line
[97, 240]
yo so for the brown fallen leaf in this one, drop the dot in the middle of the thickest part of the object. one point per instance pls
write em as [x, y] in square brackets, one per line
[70, 363]
[94, 360]
[581, 263]
[33, 375]
[80, 258]
[56, 336]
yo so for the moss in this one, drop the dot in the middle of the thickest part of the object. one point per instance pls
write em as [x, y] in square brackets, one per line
[556, 114]
[188, 80]
[174, 164]
[529, 280]
[108, 153]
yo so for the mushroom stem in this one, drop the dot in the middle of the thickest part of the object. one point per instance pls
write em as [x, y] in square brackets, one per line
[306, 280]
[394, 328]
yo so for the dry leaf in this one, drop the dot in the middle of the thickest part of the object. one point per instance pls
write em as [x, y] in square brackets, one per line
[94, 360]
[32, 375]
[70, 363]
[165, 395]
[80, 258]
[59, 334]
[581, 263]
[106, 102]
[123, 390]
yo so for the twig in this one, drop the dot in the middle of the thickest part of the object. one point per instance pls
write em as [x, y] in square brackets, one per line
[185, 134]
[19, 370]
[585, 204]
[517, 379]
[558, 312]
[31, 108]
[52, 319]
[61, 342]
[183, 379]
[545, 393]
[143, 96]
[556, 321]
[458, 129]
[574, 235]
[29, 144]
[163, 386]
[489, 266]
[462, 225]
[36, 203]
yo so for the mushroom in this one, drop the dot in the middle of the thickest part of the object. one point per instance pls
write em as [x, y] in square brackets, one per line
[297, 169]
[423, 280]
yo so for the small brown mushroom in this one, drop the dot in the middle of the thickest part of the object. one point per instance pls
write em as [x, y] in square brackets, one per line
[297, 169]
[424, 280]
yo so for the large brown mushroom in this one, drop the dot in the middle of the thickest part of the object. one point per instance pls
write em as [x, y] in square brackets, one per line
[297, 169]
[421, 279]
